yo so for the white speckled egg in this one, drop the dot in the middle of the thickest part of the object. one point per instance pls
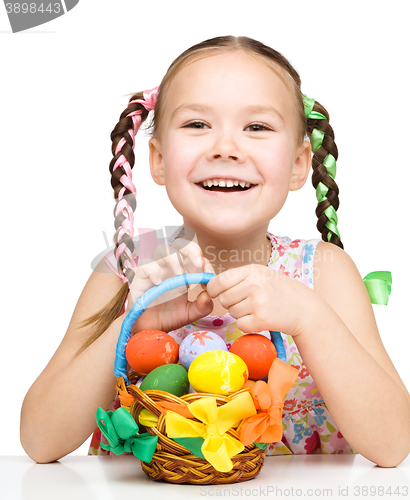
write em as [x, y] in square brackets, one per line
[198, 342]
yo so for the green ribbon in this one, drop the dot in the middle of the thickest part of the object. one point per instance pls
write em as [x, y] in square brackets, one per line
[316, 139]
[308, 104]
[330, 163]
[331, 214]
[193, 444]
[321, 192]
[120, 430]
[378, 285]
[315, 115]
[262, 446]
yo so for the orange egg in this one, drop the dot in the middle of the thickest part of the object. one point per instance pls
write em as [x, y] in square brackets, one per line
[150, 348]
[257, 351]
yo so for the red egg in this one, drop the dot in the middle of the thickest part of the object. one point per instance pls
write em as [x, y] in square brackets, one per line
[149, 349]
[257, 351]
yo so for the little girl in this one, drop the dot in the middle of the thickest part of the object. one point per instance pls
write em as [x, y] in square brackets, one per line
[229, 131]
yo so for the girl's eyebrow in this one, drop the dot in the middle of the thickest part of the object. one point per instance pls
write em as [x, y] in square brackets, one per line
[251, 109]
[202, 108]
[266, 110]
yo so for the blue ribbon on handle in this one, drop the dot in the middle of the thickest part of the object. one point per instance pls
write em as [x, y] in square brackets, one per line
[120, 364]
[277, 340]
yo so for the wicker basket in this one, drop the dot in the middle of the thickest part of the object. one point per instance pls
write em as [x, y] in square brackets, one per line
[171, 461]
[174, 463]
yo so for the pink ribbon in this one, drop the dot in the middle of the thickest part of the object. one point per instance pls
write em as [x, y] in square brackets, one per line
[150, 99]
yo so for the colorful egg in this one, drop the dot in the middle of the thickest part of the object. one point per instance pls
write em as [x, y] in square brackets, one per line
[257, 351]
[198, 342]
[218, 372]
[169, 378]
[150, 348]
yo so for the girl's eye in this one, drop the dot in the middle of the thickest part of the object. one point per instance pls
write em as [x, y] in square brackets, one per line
[197, 125]
[257, 127]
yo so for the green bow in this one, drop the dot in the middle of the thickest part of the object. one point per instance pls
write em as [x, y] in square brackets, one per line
[120, 430]
[378, 285]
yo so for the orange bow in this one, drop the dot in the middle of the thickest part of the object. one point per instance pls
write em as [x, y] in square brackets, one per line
[266, 425]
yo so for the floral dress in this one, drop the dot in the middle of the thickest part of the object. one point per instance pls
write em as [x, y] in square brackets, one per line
[307, 424]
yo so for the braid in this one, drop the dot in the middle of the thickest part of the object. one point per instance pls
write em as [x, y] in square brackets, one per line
[123, 143]
[124, 192]
[324, 169]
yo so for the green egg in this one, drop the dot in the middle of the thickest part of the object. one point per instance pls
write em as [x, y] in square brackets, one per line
[170, 378]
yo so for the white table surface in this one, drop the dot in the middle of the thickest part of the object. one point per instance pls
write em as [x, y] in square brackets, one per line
[295, 476]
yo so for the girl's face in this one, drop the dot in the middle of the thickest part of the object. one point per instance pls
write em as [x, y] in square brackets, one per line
[228, 119]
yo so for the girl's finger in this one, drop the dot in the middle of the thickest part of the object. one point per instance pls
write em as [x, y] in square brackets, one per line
[167, 256]
[227, 279]
[148, 269]
[190, 250]
[208, 267]
[201, 307]
[234, 295]
[241, 309]
[147, 274]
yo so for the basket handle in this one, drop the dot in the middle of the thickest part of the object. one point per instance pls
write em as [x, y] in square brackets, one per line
[140, 306]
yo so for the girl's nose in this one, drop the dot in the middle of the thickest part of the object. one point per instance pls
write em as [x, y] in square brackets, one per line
[225, 148]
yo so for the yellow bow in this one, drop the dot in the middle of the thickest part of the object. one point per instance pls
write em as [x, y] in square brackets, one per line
[218, 447]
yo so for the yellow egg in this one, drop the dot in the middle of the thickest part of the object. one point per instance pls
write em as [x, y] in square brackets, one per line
[218, 372]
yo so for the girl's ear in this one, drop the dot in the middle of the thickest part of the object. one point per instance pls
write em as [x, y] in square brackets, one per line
[155, 161]
[301, 167]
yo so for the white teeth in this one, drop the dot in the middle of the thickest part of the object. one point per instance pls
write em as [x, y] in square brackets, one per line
[225, 183]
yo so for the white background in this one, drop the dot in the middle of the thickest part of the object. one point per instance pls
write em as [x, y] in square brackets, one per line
[63, 87]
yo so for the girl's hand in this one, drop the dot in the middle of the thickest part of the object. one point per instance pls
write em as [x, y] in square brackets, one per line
[260, 298]
[171, 310]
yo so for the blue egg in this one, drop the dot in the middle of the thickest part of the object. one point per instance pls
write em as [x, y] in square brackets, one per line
[198, 342]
